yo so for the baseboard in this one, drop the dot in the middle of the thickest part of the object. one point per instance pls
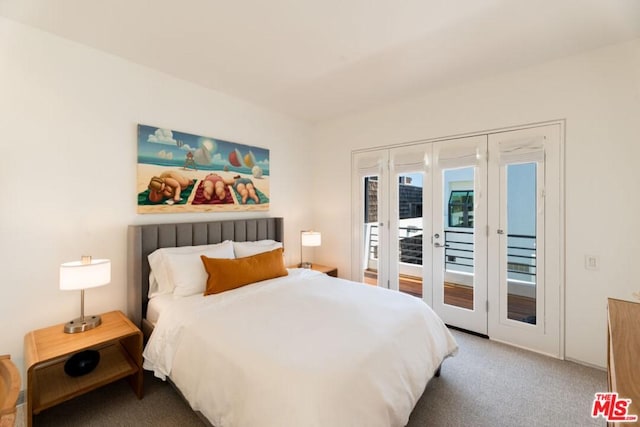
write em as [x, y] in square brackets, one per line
[588, 365]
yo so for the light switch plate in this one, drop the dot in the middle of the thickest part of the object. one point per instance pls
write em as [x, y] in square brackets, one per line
[591, 262]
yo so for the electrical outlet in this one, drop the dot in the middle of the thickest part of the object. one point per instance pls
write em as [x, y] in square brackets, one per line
[591, 262]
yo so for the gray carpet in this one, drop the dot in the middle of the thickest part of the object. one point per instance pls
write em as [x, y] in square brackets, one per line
[492, 384]
[486, 384]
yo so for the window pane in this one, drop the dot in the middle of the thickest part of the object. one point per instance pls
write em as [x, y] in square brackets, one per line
[370, 231]
[410, 229]
[459, 238]
[521, 242]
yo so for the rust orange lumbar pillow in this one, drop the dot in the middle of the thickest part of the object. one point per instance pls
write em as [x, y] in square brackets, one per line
[227, 274]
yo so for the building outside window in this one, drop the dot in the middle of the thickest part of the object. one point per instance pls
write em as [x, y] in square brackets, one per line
[461, 209]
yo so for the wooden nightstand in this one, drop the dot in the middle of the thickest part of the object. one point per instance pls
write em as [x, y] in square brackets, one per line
[329, 271]
[46, 350]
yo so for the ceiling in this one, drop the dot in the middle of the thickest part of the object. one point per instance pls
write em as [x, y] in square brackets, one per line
[319, 59]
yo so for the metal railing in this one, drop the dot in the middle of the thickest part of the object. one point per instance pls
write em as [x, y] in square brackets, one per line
[410, 240]
[459, 250]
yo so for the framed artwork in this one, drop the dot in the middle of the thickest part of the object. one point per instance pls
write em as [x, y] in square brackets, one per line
[181, 172]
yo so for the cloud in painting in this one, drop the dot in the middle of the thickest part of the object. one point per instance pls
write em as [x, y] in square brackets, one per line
[162, 136]
[168, 155]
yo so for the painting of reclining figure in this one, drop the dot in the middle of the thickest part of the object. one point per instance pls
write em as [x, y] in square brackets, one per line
[181, 172]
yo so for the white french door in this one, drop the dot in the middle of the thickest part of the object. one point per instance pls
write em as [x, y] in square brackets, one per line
[409, 220]
[459, 237]
[369, 242]
[472, 226]
[526, 238]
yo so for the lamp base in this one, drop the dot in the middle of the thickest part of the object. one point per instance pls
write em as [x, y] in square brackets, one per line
[305, 265]
[81, 325]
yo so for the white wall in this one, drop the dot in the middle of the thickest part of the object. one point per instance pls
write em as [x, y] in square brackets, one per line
[68, 117]
[598, 93]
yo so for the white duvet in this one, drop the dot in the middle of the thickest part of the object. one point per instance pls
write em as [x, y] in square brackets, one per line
[302, 350]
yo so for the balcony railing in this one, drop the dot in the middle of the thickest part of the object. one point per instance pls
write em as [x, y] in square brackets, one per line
[459, 251]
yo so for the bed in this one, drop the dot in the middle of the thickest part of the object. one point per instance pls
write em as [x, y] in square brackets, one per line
[299, 349]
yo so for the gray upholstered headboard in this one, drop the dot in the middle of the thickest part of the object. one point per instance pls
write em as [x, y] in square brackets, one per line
[144, 239]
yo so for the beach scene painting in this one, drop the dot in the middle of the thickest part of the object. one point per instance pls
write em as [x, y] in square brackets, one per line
[181, 172]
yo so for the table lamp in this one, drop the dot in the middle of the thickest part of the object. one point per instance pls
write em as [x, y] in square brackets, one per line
[82, 275]
[308, 238]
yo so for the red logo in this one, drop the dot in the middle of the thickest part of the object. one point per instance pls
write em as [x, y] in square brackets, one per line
[612, 408]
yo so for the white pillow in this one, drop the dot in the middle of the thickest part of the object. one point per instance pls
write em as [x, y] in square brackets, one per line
[187, 271]
[245, 249]
[163, 283]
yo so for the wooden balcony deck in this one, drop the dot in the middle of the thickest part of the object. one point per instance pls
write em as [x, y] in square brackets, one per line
[520, 308]
[408, 284]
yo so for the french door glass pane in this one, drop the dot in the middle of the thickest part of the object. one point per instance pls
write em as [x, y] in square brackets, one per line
[410, 233]
[521, 242]
[458, 186]
[371, 229]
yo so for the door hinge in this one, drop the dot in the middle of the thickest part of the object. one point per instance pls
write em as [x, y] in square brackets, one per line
[487, 305]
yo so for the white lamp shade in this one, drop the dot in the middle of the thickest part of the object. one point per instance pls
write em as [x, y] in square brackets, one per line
[311, 238]
[75, 275]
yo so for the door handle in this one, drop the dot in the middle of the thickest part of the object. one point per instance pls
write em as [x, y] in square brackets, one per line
[438, 245]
